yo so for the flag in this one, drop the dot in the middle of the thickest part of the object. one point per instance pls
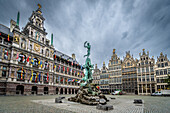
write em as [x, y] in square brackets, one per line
[41, 64]
[54, 56]
[32, 61]
[76, 80]
[31, 76]
[21, 73]
[63, 68]
[69, 80]
[17, 55]
[78, 73]
[59, 67]
[7, 53]
[28, 59]
[23, 57]
[54, 66]
[58, 78]
[66, 79]
[62, 79]
[36, 77]
[81, 67]
[47, 76]
[70, 70]
[67, 69]
[97, 87]
[39, 77]
[73, 80]
[72, 63]
[79, 81]
[38, 62]
[8, 37]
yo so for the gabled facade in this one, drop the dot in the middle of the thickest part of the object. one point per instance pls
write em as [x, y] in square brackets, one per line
[162, 69]
[115, 72]
[129, 74]
[145, 74]
[104, 79]
[96, 75]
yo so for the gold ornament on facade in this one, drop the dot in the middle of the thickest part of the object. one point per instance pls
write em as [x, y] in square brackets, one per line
[16, 39]
[36, 47]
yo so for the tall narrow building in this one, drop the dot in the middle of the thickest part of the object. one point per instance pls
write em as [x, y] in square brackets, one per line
[162, 69]
[96, 75]
[115, 72]
[104, 79]
[129, 74]
[145, 74]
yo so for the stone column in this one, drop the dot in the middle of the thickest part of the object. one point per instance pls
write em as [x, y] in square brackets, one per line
[71, 90]
[74, 91]
[12, 52]
[2, 40]
[9, 72]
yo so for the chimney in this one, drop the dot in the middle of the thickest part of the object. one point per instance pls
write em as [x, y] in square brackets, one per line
[73, 56]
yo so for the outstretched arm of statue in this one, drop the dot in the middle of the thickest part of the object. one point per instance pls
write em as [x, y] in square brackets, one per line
[85, 44]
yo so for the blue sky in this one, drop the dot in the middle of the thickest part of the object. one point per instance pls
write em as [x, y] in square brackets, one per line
[107, 24]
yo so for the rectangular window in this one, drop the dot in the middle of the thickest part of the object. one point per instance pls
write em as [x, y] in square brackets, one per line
[162, 64]
[165, 71]
[147, 69]
[157, 72]
[168, 70]
[4, 71]
[151, 69]
[143, 70]
[158, 65]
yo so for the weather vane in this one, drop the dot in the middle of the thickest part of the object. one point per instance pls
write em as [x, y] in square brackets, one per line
[39, 6]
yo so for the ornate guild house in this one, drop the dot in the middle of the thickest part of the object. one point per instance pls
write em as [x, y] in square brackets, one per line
[29, 64]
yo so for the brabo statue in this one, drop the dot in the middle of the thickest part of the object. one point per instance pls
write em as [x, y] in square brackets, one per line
[88, 49]
[88, 67]
[88, 93]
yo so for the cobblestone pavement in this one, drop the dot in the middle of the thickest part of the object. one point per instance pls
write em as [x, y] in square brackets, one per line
[45, 104]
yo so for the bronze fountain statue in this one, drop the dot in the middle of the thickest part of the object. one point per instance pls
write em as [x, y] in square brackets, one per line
[88, 93]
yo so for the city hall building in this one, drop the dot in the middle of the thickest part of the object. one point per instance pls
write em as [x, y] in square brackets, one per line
[29, 64]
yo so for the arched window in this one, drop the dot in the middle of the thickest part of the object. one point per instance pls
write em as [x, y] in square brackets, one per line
[46, 65]
[20, 74]
[35, 62]
[45, 79]
[6, 54]
[47, 53]
[22, 58]
[35, 77]
[23, 43]
[38, 36]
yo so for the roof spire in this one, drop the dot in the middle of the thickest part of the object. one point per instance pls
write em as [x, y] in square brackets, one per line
[52, 39]
[18, 15]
